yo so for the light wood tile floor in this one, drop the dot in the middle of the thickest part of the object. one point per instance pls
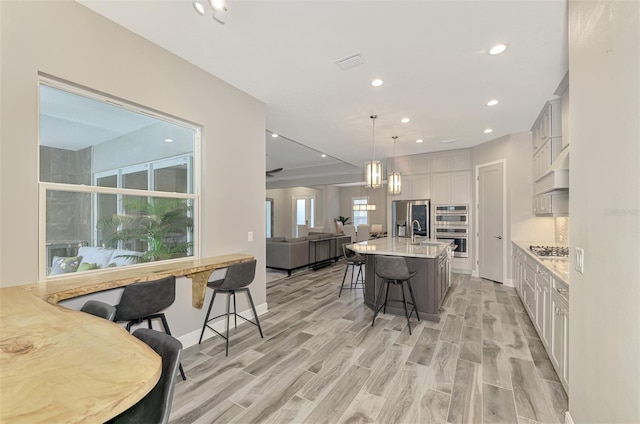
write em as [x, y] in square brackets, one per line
[321, 361]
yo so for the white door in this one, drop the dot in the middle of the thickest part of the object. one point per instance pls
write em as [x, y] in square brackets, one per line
[490, 220]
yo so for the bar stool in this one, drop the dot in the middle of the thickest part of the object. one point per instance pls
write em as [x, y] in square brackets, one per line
[353, 260]
[237, 278]
[99, 309]
[394, 270]
[143, 301]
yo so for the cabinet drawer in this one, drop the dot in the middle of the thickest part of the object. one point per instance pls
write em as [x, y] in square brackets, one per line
[562, 289]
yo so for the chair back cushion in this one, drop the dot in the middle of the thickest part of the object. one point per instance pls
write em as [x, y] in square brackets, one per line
[239, 275]
[155, 407]
[392, 268]
[146, 298]
[99, 309]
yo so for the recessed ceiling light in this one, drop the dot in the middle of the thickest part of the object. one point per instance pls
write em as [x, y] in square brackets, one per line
[488, 130]
[217, 4]
[274, 135]
[493, 102]
[451, 140]
[419, 140]
[497, 49]
[377, 82]
[405, 120]
[324, 156]
[168, 140]
[199, 7]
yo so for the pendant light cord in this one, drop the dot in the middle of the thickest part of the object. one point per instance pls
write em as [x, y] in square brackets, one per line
[395, 139]
[374, 117]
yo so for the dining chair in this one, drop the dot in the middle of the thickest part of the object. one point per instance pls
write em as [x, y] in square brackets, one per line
[155, 407]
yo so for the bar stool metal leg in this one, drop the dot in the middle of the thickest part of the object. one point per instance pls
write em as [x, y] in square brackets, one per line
[413, 299]
[227, 340]
[404, 304]
[377, 308]
[207, 317]
[255, 314]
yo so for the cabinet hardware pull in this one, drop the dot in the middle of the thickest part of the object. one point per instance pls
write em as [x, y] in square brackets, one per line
[561, 291]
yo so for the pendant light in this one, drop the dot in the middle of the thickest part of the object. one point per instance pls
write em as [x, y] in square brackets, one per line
[373, 168]
[394, 179]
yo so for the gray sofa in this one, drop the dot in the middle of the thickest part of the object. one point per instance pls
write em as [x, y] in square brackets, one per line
[314, 251]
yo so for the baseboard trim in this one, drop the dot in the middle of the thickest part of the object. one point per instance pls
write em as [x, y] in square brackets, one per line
[509, 282]
[567, 418]
[191, 339]
[475, 273]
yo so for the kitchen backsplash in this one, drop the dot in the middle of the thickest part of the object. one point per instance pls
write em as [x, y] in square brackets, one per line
[562, 230]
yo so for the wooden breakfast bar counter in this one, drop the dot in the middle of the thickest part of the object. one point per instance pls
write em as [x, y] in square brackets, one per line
[62, 365]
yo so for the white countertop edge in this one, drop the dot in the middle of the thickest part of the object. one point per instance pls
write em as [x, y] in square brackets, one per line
[550, 265]
[400, 246]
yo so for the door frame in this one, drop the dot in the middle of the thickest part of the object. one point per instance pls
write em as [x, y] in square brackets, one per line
[505, 238]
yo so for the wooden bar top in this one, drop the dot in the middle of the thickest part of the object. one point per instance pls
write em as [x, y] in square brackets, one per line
[60, 365]
[78, 284]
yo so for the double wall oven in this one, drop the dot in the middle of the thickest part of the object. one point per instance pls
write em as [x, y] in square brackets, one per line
[451, 223]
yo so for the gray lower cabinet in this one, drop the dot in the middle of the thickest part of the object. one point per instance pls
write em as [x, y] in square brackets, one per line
[430, 285]
[546, 300]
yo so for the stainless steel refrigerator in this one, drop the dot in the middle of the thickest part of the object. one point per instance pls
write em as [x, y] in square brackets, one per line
[404, 212]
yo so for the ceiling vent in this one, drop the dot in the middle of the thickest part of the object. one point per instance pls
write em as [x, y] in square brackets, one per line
[350, 62]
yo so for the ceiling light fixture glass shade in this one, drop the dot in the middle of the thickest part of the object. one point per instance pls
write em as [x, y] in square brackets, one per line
[364, 207]
[394, 179]
[373, 168]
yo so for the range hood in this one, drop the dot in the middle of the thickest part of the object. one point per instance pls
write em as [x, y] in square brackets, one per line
[557, 178]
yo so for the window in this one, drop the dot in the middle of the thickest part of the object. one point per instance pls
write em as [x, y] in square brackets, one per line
[304, 212]
[117, 182]
[269, 217]
[360, 217]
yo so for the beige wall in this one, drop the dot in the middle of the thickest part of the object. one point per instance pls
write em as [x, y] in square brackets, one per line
[283, 209]
[604, 326]
[522, 224]
[67, 40]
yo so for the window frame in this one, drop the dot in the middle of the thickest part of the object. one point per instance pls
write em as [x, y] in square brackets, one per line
[193, 164]
[357, 214]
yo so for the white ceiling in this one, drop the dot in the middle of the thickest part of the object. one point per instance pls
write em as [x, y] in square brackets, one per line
[432, 55]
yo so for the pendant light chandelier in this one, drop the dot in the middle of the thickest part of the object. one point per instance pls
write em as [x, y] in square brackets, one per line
[394, 179]
[373, 168]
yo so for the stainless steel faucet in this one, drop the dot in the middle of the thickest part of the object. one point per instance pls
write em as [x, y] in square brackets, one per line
[413, 235]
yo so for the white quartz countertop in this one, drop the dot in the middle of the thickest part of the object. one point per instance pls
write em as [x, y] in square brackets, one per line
[558, 267]
[401, 246]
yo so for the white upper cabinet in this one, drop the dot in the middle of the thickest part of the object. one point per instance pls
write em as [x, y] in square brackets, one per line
[421, 186]
[454, 160]
[548, 126]
[414, 164]
[451, 187]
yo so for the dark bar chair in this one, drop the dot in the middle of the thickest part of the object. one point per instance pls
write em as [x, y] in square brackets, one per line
[353, 260]
[99, 309]
[155, 407]
[143, 301]
[394, 270]
[237, 279]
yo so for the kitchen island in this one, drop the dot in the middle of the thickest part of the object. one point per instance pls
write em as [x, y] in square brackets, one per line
[430, 259]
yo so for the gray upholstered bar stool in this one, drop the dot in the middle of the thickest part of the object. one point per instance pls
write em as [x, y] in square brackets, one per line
[155, 407]
[144, 301]
[394, 270]
[353, 260]
[99, 309]
[237, 279]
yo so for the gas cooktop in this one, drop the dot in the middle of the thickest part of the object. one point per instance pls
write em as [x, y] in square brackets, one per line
[550, 251]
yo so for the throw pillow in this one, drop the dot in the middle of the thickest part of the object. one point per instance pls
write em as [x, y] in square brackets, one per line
[64, 265]
[85, 266]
